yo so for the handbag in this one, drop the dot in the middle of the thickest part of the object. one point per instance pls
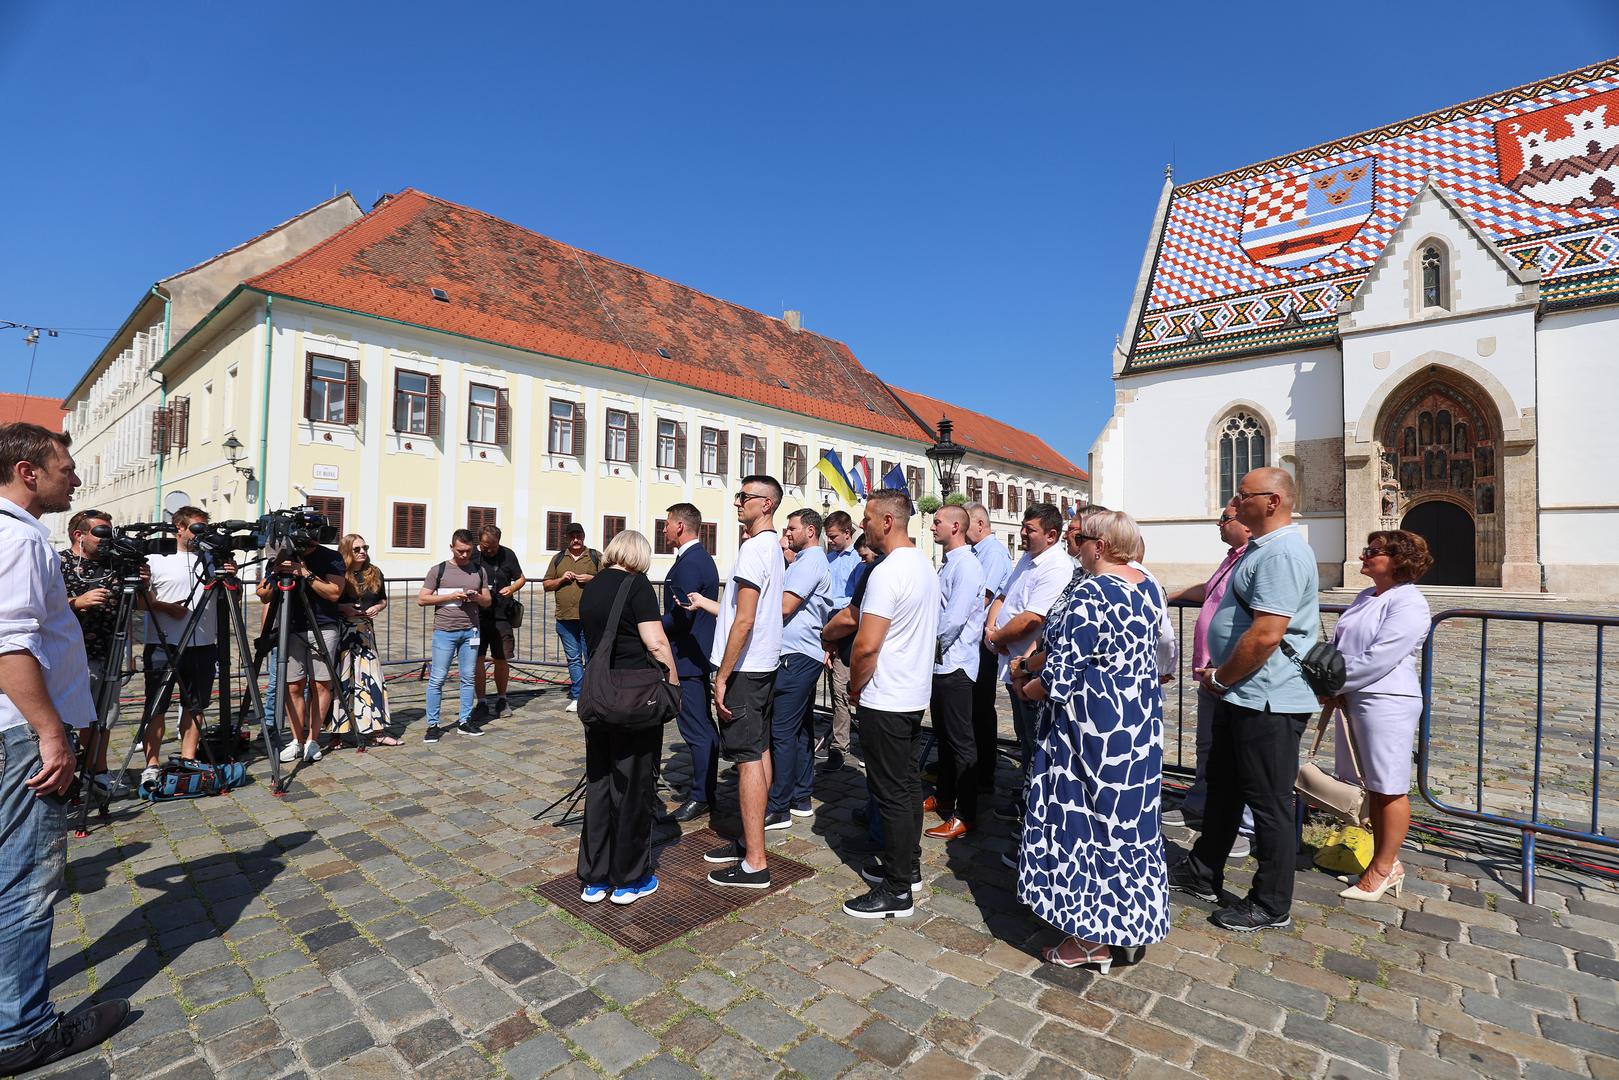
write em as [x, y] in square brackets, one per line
[630, 699]
[1322, 665]
[514, 613]
[1349, 802]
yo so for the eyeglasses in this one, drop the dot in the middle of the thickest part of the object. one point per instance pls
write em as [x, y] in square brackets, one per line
[1241, 495]
[743, 496]
[1082, 537]
[1371, 552]
[1226, 519]
[361, 547]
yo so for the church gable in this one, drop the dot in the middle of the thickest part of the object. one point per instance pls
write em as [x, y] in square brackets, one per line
[1260, 259]
[1437, 264]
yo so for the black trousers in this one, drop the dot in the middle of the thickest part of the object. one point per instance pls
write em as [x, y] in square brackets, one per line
[986, 725]
[894, 777]
[1254, 760]
[615, 844]
[952, 709]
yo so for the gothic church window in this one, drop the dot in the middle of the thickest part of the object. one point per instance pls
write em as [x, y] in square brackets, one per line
[1242, 447]
[1435, 277]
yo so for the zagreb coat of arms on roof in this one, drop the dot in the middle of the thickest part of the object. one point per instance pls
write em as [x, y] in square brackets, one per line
[1296, 219]
[1563, 155]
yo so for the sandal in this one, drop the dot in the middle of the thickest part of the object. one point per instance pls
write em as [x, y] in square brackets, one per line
[1069, 953]
[384, 740]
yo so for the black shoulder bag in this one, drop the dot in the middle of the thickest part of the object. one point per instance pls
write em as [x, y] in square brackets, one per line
[627, 698]
[1322, 666]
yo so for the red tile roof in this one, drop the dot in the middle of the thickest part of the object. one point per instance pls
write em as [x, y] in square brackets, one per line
[986, 435]
[44, 411]
[514, 287]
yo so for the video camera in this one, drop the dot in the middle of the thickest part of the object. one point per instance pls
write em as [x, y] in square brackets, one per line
[280, 534]
[124, 548]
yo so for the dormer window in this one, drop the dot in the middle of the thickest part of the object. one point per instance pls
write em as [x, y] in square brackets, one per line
[1435, 278]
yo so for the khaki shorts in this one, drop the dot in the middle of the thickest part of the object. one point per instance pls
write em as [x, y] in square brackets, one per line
[304, 662]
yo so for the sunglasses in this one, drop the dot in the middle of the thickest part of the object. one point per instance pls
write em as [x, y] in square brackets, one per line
[1226, 519]
[1371, 552]
[746, 495]
[361, 547]
[1082, 537]
[1241, 495]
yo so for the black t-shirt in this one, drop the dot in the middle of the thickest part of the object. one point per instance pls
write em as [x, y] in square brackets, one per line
[502, 568]
[321, 562]
[640, 605]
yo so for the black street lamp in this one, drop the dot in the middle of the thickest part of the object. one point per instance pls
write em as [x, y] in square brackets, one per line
[233, 452]
[946, 456]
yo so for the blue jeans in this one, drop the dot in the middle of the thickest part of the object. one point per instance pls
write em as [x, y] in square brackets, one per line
[792, 734]
[33, 857]
[572, 634]
[462, 647]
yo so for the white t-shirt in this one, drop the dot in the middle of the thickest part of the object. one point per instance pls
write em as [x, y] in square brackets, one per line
[1034, 586]
[172, 579]
[758, 563]
[904, 589]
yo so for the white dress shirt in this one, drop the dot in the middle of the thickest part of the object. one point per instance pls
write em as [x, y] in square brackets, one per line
[35, 618]
[1034, 586]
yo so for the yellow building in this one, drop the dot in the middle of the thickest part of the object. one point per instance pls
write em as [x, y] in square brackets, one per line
[425, 367]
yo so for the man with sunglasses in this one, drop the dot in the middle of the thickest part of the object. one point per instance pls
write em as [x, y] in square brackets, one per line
[1234, 534]
[1262, 708]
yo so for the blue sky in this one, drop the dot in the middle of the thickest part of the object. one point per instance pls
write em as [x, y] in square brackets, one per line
[960, 192]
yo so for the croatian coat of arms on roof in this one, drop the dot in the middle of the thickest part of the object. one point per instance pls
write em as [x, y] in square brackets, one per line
[1296, 218]
[1563, 155]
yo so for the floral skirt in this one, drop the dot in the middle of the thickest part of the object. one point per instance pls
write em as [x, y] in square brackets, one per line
[360, 676]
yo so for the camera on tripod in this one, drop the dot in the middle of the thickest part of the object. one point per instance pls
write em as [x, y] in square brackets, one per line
[284, 534]
[124, 548]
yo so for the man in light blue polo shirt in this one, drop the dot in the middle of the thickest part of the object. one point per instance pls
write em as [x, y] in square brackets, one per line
[961, 632]
[996, 564]
[806, 602]
[1264, 705]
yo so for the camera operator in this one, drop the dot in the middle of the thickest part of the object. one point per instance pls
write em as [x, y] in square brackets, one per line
[41, 690]
[322, 570]
[167, 601]
[92, 594]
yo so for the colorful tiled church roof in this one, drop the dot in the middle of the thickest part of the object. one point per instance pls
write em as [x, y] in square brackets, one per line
[988, 436]
[1260, 258]
[505, 284]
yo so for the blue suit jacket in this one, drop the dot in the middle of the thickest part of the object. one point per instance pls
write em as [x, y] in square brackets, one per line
[691, 633]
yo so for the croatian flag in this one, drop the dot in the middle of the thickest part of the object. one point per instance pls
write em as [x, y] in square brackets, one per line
[1294, 220]
[860, 477]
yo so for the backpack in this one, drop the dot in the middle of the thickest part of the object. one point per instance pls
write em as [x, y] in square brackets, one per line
[437, 574]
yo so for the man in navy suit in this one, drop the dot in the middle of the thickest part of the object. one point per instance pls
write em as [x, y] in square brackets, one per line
[691, 636]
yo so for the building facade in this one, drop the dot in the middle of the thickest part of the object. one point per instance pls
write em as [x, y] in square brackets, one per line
[1416, 322]
[425, 367]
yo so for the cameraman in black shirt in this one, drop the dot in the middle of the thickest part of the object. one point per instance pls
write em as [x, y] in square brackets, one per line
[496, 622]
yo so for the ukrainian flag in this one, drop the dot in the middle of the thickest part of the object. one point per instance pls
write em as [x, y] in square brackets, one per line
[830, 467]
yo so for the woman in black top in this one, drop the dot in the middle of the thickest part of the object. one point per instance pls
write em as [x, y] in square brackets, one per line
[615, 853]
[359, 667]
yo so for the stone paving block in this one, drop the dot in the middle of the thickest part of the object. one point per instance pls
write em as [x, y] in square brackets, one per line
[765, 1025]
[570, 1010]
[623, 982]
[783, 985]
[906, 1011]
[889, 1044]
[427, 1041]
[314, 1013]
[400, 1006]
[708, 991]
[516, 963]
[156, 1055]
[613, 1042]
[1089, 1052]
[1337, 1041]
[336, 1045]
[535, 1057]
[728, 1058]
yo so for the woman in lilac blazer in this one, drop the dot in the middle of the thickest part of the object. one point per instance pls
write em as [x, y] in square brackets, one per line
[1379, 636]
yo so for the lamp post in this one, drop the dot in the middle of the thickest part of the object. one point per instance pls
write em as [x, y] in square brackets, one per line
[233, 454]
[946, 456]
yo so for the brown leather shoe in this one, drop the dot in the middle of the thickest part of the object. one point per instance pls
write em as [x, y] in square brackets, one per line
[952, 829]
[931, 805]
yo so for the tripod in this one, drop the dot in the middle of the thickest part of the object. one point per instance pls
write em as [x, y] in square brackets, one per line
[215, 583]
[108, 686]
[572, 799]
[287, 588]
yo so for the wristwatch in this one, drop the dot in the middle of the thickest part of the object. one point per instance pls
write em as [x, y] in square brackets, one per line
[1219, 687]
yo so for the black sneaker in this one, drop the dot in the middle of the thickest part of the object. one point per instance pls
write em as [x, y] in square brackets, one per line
[728, 852]
[467, 727]
[833, 762]
[68, 1036]
[1247, 917]
[877, 874]
[433, 734]
[879, 903]
[739, 878]
[503, 707]
[1183, 880]
[778, 821]
[479, 709]
[1009, 811]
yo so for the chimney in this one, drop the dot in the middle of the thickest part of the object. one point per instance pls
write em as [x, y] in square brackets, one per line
[794, 320]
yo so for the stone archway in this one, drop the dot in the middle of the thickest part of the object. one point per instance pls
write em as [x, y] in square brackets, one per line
[1441, 446]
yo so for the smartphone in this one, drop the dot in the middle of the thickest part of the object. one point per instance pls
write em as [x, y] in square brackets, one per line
[680, 597]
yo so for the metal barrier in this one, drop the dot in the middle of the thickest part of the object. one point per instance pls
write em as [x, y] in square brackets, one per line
[1531, 827]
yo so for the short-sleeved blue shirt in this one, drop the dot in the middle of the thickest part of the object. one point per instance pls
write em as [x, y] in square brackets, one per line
[1276, 576]
[808, 579]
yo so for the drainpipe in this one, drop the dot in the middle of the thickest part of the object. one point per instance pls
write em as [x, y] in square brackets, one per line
[163, 392]
[264, 416]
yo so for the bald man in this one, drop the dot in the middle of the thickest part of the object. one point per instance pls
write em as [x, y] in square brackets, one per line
[1262, 708]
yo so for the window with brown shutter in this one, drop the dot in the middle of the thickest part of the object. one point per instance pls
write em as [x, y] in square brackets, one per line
[975, 489]
[792, 463]
[160, 431]
[680, 447]
[994, 495]
[329, 507]
[616, 438]
[351, 393]
[633, 449]
[913, 480]
[413, 393]
[1012, 498]
[612, 525]
[750, 456]
[435, 407]
[555, 522]
[713, 459]
[331, 389]
[478, 517]
[483, 414]
[660, 543]
[410, 526]
[1029, 497]
[503, 418]
[180, 423]
[709, 535]
[578, 429]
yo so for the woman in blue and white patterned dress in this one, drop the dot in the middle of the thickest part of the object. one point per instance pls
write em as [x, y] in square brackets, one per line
[1092, 861]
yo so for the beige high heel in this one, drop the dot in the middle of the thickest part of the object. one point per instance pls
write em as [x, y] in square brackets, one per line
[1395, 881]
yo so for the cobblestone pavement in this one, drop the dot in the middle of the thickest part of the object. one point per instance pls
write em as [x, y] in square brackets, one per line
[380, 921]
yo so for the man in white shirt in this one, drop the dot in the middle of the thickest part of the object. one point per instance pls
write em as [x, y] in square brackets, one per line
[746, 653]
[1018, 615]
[42, 688]
[961, 628]
[890, 682]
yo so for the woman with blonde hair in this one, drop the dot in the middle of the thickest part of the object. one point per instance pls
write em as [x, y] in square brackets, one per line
[1092, 860]
[365, 596]
[621, 755]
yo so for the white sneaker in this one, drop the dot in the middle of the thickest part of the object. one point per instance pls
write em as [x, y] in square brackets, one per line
[573, 706]
[150, 776]
[291, 751]
[312, 750]
[1241, 849]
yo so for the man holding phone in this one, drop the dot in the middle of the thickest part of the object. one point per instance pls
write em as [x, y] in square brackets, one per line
[457, 590]
[691, 635]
